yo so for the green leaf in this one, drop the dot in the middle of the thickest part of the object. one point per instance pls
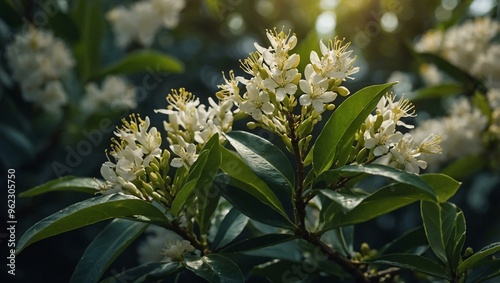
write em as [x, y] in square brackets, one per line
[215, 268]
[397, 175]
[200, 176]
[66, 183]
[413, 263]
[484, 270]
[438, 222]
[163, 271]
[341, 239]
[88, 212]
[231, 226]
[89, 18]
[348, 208]
[266, 160]
[406, 243]
[258, 242]
[473, 261]
[238, 194]
[438, 91]
[444, 186]
[207, 202]
[143, 61]
[454, 248]
[105, 248]
[234, 167]
[343, 123]
[141, 271]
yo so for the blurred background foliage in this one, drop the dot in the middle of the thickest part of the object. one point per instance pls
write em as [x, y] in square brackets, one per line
[211, 37]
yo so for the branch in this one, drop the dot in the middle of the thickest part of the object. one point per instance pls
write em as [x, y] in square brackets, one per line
[339, 259]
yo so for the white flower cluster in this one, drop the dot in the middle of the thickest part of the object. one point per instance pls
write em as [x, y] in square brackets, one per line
[190, 123]
[143, 20]
[115, 93]
[39, 61]
[135, 149]
[381, 137]
[468, 46]
[271, 91]
[460, 131]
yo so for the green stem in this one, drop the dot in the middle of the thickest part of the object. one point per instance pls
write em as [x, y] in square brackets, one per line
[298, 202]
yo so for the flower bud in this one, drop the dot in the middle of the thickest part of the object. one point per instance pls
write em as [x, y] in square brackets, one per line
[252, 125]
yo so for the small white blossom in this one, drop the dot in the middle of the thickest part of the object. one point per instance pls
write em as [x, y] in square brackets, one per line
[315, 90]
[336, 62]
[176, 249]
[383, 138]
[257, 103]
[186, 152]
[405, 154]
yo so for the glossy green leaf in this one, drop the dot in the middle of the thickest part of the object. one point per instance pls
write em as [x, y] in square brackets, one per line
[454, 248]
[473, 260]
[200, 176]
[343, 123]
[238, 194]
[485, 270]
[231, 226]
[438, 91]
[438, 222]
[406, 243]
[88, 16]
[215, 268]
[88, 212]
[143, 61]
[258, 243]
[444, 186]
[162, 271]
[397, 175]
[105, 248]
[66, 183]
[341, 239]
[412, 263]
[350, 208]
[266, 160]
[133, 274]
[207, 202]
[234, 167]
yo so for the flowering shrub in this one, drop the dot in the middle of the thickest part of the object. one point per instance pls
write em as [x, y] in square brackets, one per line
[236, 201]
